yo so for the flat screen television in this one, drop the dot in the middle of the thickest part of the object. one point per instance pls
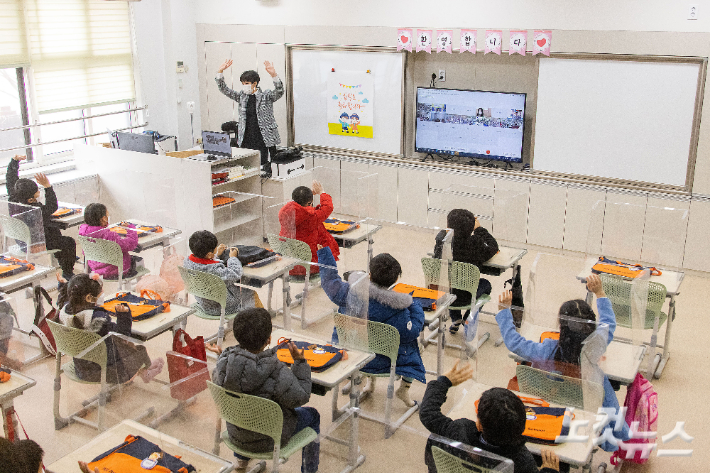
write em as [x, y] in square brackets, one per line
[471, 123]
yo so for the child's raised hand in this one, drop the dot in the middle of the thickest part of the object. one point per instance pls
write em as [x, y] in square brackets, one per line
[317, 188]
[477, 224]
[269, 66]
[19, 157]
[220, 249]
[42, 180]
[296, 354]
[458, 375]
[233, 252]
[550, 459]
[225, 65]
[319, 246]
[214, 348]
[123, 308]
[594, 284]
[505, 300]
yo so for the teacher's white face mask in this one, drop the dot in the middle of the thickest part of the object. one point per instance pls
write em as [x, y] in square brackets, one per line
[247, 88]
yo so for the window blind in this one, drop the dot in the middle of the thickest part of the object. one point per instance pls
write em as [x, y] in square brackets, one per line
[80, 52]
[13, 41]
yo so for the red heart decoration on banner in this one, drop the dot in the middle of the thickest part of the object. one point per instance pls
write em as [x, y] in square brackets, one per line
[404, 39]
[541, 42]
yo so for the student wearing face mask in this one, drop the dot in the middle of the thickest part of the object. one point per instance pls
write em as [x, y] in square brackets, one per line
[257, 125]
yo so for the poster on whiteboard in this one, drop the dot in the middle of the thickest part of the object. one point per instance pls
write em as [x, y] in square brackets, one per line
[350, 104]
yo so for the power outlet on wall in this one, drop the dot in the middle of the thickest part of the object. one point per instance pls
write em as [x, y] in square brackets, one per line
[442, 75]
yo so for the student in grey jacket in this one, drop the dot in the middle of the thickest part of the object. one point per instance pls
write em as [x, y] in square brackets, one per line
[257, 125]
[205, 248]
[250, 368]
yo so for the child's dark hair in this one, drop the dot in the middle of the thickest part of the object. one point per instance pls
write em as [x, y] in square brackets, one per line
[93, 213]
[73, 294]
[355, 116]
[302, 195]
[202, 242]
[502, 417]
[21, 456]
[252, 328]
[462, 222]
[249, 76]
[344, 115]
[25, 189]
[573, 333]
[384, 270]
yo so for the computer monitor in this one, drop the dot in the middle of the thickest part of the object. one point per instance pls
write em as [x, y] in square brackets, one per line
[216, 143]
[136, 142]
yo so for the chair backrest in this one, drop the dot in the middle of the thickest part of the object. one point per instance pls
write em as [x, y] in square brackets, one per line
[289, 247]
[205, 285]
[16, 229]
[448, 463]
[618, 290]
[367, 335]
[252, 413]
[102, 251]
[72, 341]
[462, 276]
[558, 389]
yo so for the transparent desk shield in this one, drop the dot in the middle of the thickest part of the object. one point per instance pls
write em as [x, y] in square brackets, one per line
[359, 194]
[22, 230]
[16, 346]
[477, 200]
[238, 217]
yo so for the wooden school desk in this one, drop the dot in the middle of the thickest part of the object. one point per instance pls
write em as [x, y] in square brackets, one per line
[672, 281]
[434, 319]
[202, 461]
[152, 239]
[9, 390]
[577, 454]
[21, 281]
[620, 362]
[331, 379]
[70, 220]
[267, 274]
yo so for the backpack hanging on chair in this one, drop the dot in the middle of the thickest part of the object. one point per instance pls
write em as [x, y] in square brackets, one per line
[641, 407]
[40, 327]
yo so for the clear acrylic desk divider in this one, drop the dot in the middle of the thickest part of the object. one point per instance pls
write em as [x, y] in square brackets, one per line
[23, 231]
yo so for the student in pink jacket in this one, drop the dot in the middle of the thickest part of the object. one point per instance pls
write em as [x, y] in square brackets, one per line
[96, 223]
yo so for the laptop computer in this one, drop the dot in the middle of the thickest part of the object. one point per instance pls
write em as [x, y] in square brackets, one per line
[216, 145]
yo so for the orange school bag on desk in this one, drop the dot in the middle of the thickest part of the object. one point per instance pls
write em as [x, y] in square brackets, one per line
[143, 307]
[65, 212]
[10, 266]
[619, 268]
[142, 230]
[427, 298]
[319, 357]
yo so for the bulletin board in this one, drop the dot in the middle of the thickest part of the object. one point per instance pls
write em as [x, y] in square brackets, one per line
[323, 79]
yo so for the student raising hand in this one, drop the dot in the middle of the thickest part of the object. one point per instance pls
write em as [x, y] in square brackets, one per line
[594, 284]
[225, 65]
[458, 375]
[317, 188]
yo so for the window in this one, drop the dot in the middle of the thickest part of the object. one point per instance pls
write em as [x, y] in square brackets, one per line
[63, 62]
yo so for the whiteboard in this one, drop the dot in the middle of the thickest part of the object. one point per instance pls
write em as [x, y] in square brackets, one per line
[616, 119]
[309, 75]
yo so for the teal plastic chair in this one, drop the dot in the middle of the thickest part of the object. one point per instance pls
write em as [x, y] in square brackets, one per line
[210, 287]
[301, 251]
[107, 252]
[618, 290]
[72, 342]
[382, 339]
[259, 415]
[448, 463]
[19, 231]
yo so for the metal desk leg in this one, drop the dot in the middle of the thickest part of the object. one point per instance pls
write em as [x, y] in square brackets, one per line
[286, 305]
[370, 242]
[440, 346]
[665, 356]
[268, 298]
[354, 457]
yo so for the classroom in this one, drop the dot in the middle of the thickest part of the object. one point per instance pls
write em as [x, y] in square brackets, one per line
[222, 221]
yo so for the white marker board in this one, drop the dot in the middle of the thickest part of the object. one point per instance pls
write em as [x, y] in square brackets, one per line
[309, 75]
[616, 119]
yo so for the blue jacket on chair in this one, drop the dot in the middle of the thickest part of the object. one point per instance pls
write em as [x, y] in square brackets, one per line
[385, 306]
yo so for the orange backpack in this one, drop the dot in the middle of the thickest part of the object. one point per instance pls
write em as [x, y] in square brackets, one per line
[143, 307]
[337, 226]
[618, 268]
[427, 298]
[319, 357]
[10, 266]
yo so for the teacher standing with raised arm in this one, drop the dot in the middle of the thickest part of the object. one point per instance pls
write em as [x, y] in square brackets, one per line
[257, 125]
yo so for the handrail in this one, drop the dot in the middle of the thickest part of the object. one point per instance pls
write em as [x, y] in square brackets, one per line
[74, 119]
[70, 139]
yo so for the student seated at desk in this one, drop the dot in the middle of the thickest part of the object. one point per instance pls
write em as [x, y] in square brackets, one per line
[569, 347]
[471, 244]
[26, 191]
[498, 429]
[95, 225]
[250, 368]
[205, 248]
[125, 360]
[20, 456]
[301, 221]
[385, 306]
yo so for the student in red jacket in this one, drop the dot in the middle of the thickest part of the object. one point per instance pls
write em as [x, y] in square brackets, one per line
[301, 221]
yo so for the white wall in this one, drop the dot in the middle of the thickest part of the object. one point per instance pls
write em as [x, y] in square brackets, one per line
[634, 15]
[165, 32]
